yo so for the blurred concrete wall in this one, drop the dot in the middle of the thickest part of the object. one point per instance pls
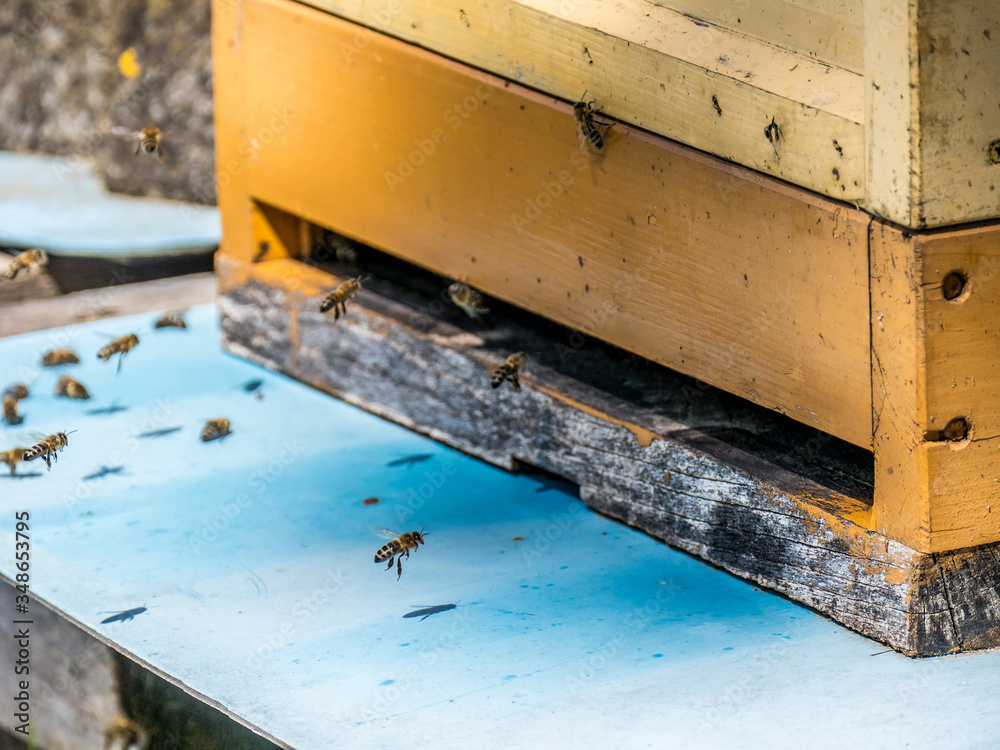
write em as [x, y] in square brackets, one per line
[71, 70]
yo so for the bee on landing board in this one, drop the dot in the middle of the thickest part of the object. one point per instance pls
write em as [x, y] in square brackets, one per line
[10, 414]
[48, 448]
[18, 391]
[149, 139]
[468, 299]
[510, 370]
[171, 320]
[26, 260]
[120, 346]
[337, 299]
[12, 458]
[399, 546]
[56, 357]
[215, 429]
[69, 388]
[587, 130]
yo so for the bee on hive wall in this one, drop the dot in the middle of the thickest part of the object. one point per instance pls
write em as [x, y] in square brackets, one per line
[337, 299]
[588, 131]
[120, 346]
[56, 357]
[26, 260]
[69, 388]
[468, 299]
[510, 370]
[398, 546]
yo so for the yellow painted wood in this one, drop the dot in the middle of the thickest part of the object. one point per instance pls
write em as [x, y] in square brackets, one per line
[936, 360]
[931, 112]
[705, 267]
[652, 67]
[231, 150]
[901, 508]
[828, 30]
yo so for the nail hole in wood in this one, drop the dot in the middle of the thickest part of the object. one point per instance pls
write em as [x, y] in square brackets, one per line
[954, 285]
[956, 430]
[994, 151]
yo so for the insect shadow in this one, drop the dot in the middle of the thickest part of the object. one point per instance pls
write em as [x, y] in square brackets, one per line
[428, 611]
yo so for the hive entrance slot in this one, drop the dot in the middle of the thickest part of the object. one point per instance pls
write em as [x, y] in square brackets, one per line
[547, 480]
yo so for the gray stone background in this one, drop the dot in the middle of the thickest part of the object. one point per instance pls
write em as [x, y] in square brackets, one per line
[61, 89]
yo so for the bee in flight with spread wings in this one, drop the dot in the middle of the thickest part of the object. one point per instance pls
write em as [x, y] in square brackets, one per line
[149, 138]
[400, 545]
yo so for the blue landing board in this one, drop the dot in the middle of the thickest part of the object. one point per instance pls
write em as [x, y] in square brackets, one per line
[253, 558]
[59, 204]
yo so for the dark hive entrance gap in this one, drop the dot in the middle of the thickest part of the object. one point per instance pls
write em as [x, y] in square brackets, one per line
[710, 413]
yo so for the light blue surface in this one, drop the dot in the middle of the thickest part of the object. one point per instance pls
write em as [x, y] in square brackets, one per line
[59, 204]
[254, 558]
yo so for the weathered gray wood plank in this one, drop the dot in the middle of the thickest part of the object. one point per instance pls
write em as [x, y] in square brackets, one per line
[175, 293]
[720, 485]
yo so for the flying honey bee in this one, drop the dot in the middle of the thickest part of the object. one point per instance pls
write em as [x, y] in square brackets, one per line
[120, 346]
[337, 299]
[69, 388]
[26, 260]
[9, 406]
[215, 429]
[18, 391]
[468, 299]
[48, 448]
[400, 545]
[56, 357]
[587, 130]
[510, 370]
[12, 458]
[149, 139]
[171, 320]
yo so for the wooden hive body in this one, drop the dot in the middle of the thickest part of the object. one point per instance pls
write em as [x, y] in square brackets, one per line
[764, 278]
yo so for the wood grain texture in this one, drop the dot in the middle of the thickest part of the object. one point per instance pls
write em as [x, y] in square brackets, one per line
[689, 486]
[652, 67]
[696, 264]
[935, 360]
[931, 111]
[826, 30]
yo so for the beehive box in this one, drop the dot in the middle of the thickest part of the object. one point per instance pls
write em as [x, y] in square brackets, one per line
[784, 211]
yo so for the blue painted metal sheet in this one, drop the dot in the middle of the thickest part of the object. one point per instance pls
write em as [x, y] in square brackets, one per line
[60, 204]
[253, 560]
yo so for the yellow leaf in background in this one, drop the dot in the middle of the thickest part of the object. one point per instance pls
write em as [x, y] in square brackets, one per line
[128, 64]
